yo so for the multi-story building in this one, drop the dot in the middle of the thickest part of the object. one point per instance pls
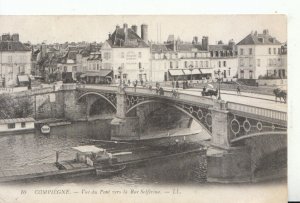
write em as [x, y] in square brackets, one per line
[177, 60]
[260, 56]
[223, 60]
[125, 50]
[15, 61]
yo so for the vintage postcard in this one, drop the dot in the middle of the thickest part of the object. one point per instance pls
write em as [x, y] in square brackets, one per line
[131, 108]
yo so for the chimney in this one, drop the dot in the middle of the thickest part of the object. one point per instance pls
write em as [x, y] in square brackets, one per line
[205, 43]
[125, 25]
[195, 40]
[15, 37]
[144, 32]
[265, 31]
[117, 27]
[231, 43]
[6, 37]
[134, 28]
[109, 35]
[255, 33]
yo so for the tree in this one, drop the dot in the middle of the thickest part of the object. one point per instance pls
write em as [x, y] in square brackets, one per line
[13, 107]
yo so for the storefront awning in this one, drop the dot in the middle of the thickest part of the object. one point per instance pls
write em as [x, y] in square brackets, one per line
[176, 72]
[23, 78]
[206, 71]
[194, 72]
[101, 73]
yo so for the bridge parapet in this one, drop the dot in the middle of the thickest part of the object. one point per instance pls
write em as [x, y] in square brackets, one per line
[258, 113]
[181, 97]
[105, 88]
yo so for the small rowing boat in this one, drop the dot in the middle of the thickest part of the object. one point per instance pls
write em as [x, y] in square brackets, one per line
[45, 129]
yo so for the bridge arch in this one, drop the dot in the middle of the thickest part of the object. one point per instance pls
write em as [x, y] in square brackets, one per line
[171, 105]
[237, 139]
[99, 95]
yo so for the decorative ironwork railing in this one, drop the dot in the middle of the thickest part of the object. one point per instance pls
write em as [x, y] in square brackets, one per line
[269, 113]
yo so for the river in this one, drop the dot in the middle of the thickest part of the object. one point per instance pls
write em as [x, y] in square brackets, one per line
[36, 148]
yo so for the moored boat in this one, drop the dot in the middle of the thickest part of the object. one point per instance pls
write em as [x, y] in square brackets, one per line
[45, 129]
[16, 126]
[110, 170]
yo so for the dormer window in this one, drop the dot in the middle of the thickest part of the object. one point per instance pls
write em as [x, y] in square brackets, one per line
[261, 39]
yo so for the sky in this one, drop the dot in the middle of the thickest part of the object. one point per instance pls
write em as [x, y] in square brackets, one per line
[37, 29]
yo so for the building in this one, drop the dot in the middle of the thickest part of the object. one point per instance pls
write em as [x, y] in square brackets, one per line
[260, 56]
[223, 60]
[128, 52]
[68, 67]
[15, 61]
[177, 60]
[95, 74]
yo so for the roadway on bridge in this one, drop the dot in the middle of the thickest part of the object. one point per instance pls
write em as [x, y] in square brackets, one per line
[258, 100]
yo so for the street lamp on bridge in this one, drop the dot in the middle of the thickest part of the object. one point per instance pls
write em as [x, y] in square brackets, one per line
[191, 68]
[120, 70]
[220, 77]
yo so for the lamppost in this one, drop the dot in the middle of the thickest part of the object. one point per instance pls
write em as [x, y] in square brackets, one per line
[120, 70]
[220, 74]
[191, 68]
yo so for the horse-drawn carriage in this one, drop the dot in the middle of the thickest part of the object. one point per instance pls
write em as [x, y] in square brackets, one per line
[209, 91]
[280, 94]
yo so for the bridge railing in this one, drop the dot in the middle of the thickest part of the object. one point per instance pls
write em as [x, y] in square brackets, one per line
[169, 94]
[99, 87]
[269, 113]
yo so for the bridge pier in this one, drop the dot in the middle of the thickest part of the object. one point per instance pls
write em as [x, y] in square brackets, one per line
[122, 127]
[224, 162]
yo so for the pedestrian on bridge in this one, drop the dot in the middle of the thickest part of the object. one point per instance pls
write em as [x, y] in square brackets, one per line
[238, 90]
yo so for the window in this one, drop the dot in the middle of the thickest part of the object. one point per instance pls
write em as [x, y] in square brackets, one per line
[9, 47]
[274, 50]
[220, 64]
[258, 62]
[242, 74]
[279, 50]
[206, 63]
[185, 64]
[196, 64]
[140, 54]
[224, 63]
[251, 74]
[9, 59]
[241, 62]
[229, 72]
[250, 62]
[74, 69]
[106, 55]
[270, 62]
[11, 125]
[171, 65]
[65, 68]
[241, 51]
[269, 50]
[201, 64]
[97, 66]
[250, 51]
[140, 65]
[23, 125]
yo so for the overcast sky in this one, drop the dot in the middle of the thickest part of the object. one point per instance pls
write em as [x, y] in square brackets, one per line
[60, 29]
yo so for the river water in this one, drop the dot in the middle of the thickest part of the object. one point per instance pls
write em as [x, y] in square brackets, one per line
[30, 149]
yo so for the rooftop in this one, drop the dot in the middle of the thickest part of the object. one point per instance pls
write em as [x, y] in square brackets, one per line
[126, 38]
[259, 39]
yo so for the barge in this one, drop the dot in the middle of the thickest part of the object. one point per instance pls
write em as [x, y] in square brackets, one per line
[93, 161]
[15, 126]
